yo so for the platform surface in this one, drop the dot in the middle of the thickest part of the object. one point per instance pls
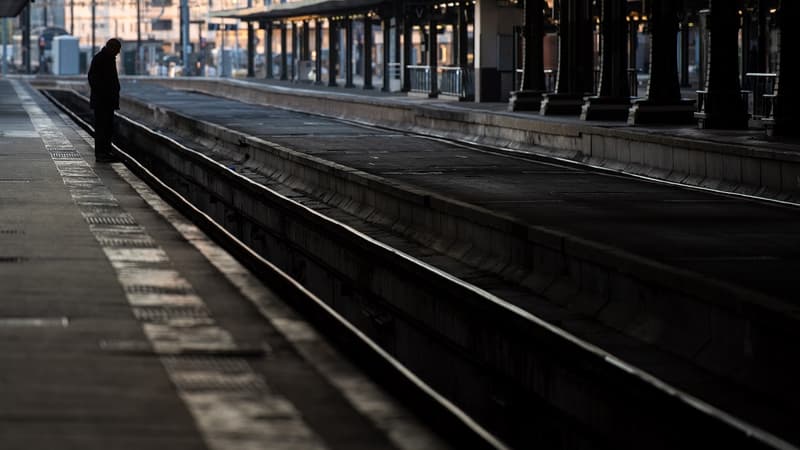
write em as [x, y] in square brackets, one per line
[122, 326]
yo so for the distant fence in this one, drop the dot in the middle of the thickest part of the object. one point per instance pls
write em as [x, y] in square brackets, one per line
[762, 93]
[455, 81]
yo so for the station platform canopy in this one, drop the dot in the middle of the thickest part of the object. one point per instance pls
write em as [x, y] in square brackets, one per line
[11, 8]
[296, 9]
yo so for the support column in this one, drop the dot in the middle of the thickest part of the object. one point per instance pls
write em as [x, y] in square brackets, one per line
[293, 69]
[663, 103]
[333, 51]
[633, 43]
[685, 50]
[367, 49]
[348, 63]
[268, 49]
[463, 35]
[284, 53]
[785, 120]
[723, 106]
[467, 72]
[305, 43]
[318, 48]
[575, 68]
[407, 28]
[433, 57]
[763, 33]
[25, 18]
[702, 44]
[251, 50]
[614, 98]
[386, 25]
[397, 41]
[746, 61]
[531, 88]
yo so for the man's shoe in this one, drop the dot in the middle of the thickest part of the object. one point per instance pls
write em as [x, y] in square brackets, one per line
[105, 158]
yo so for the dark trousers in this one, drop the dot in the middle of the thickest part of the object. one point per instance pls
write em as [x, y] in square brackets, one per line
[103, 127]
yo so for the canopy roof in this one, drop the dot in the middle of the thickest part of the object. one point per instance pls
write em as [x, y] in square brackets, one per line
[298, 8]
[11, 8]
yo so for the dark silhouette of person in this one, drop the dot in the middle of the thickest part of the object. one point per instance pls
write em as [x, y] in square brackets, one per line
[104, 98]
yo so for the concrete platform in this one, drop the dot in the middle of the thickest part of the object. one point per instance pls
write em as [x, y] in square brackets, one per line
[123, 326]
[745, 162]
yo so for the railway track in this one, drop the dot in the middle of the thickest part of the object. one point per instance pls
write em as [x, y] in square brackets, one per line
[488, 372]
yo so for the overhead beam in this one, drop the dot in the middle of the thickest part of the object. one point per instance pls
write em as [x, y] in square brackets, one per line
[12, 8]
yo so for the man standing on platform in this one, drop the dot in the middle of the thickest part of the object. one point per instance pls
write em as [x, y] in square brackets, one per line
[104, 99]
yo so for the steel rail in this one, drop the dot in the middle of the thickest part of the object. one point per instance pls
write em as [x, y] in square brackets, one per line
[575, 349]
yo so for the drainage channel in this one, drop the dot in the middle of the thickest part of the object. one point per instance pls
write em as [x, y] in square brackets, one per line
[473, 354]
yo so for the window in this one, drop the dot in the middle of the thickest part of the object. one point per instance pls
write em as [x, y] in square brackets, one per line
[161, 24]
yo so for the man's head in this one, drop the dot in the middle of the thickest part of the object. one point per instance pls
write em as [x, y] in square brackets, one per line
[113, 46]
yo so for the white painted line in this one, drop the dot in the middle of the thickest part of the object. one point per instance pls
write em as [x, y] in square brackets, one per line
[8, 322]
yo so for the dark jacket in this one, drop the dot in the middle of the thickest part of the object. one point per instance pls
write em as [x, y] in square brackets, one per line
[104, 81]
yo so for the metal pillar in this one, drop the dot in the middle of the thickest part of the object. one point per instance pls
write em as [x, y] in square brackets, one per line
[26, 36]
[305, 42]
[433, 58]
[531, 88]
[348, 31]
[685, 51]
[723, 106]
[367, 50]
[763, 33]
[746, 29]
[467, 82]
[633, 43]
[251, 50]
[5, 56]
[185, 48]
[268, 49]
[398, 53]
[407, 28]
[333, 52]
[613, 99]
[387, 75]
[293, 67]
[94, 26]
[138, 69]
[284, 52]
[318, 49]
[463, 34]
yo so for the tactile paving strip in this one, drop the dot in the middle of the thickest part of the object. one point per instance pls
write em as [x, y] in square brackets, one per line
[65, 156]
[110, 220]
[114, 242]
[165, 314]
[12, 259]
